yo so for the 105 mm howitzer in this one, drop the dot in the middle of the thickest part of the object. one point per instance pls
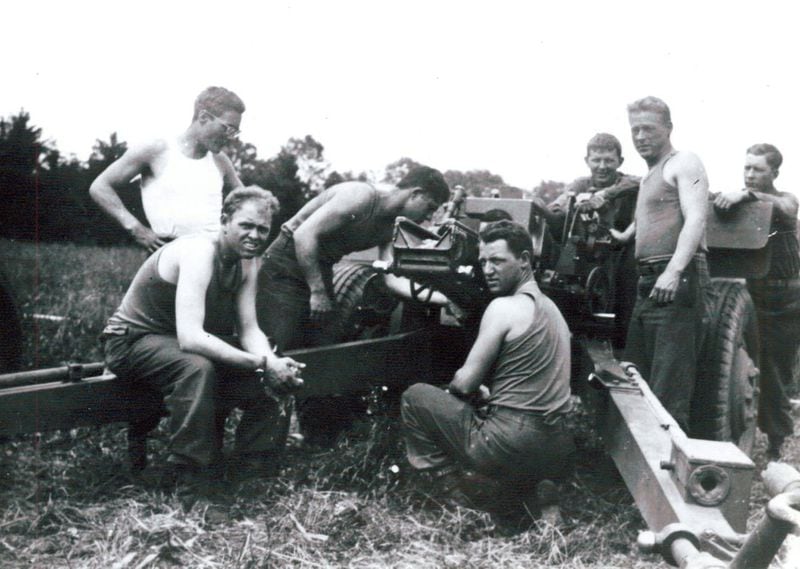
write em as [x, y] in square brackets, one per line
[692, 492]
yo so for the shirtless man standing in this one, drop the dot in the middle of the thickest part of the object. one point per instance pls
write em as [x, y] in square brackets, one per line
[666, 328]
[183, 179]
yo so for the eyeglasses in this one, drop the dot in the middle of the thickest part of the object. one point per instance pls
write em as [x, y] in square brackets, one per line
[230, 130]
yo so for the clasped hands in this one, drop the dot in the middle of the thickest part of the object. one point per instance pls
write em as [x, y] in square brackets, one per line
[281, 375]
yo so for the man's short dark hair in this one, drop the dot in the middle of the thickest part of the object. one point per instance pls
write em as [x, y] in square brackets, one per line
[517, 237]
[773, 155]
[653, 105]
[604, 141]
[495, 214]
[234, 200]
[429, 180]
[217, 100]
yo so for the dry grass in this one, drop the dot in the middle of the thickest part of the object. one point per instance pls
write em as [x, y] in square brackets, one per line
[66, 499]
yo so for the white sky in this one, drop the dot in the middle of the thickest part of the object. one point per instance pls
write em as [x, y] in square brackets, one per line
[513, 87]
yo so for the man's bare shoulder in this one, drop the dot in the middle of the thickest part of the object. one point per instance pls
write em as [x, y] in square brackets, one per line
[791, 198]
[683, 160]
[191, 254]
[190, 249]
[351, 194]
[685, 165]
[147, 152]
[509, 308]
[352, 187]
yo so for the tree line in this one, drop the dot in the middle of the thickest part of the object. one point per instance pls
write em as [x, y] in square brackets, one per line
[45, 195]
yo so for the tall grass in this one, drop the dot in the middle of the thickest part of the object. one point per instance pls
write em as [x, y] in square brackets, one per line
[78, 287]
[67, 499]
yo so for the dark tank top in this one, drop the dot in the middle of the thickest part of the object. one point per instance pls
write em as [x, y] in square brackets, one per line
[659, 218]
[365, 228]
[149, 303]
[532, 370]
[784, 249]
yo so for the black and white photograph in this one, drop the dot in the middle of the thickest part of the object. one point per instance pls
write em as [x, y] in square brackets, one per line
[399, 284]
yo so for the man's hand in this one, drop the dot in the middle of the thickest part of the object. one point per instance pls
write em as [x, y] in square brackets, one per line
[594, 203]
[321, 306]
[539, 205]
[456, 311]
[147, 238]
[726, 200]
[666, 286]
[283, 375]
[617, 236]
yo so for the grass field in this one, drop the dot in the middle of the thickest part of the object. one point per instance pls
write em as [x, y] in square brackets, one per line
[67, 500]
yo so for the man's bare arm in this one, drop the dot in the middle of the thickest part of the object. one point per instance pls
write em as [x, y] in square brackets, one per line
[623, 236]
[230, 179]
[339, 211]
[285, 372]
[195, 261]
[553, 213]
[687, 174]
[104, 191]
[785, 204]
[495, 324]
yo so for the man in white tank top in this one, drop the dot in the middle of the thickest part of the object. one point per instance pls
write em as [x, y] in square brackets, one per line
[182, 178]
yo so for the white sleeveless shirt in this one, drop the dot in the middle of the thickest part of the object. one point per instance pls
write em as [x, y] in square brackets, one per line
[186, 197]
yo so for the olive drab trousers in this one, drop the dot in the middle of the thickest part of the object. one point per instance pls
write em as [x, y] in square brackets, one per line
[198, 395]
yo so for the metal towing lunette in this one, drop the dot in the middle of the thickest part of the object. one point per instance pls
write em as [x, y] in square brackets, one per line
[693, 494]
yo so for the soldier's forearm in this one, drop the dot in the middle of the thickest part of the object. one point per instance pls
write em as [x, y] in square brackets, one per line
[108, 200]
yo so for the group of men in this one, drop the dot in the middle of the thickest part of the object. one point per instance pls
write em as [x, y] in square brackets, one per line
[194, 323]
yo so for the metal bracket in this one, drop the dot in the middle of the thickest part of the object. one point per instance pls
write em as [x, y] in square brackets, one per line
[74, 372]
[608, 372]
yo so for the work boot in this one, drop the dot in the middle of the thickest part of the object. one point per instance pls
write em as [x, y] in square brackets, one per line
[547, 500]
[195, 482]
[484, 492]
[442, 484]
[542, 500]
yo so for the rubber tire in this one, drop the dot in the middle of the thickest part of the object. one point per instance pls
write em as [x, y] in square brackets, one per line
[11, 346]
[324, 418]
[725, 402]
[351, 282]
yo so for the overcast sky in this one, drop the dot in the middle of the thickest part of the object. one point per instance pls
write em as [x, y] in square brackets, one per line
[513, 87]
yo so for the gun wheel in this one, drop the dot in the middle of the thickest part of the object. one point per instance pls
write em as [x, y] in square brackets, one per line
[599, 291]
[363, 311]
[725, 402]
[363, 306]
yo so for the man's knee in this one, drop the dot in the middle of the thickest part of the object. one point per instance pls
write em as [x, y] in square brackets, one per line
[416, 396]
[197, 373]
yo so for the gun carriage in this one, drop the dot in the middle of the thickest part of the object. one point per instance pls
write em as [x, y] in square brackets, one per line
[693, 490]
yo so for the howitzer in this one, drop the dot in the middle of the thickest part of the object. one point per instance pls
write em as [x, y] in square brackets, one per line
[693, 493]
